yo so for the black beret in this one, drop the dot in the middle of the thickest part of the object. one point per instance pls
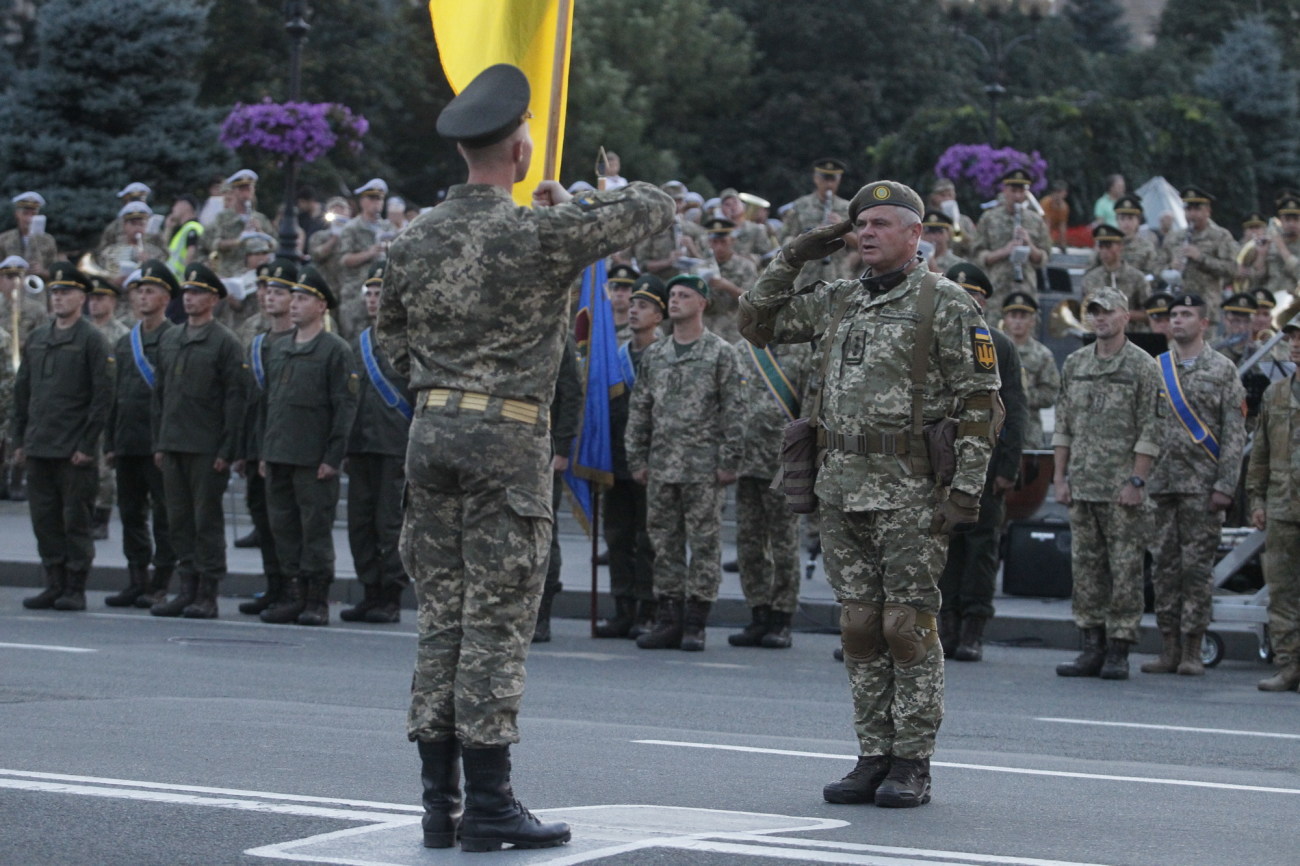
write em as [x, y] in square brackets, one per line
[311, 282]
[159, 272]
[200, 277]
[651, 288]
[970, 278]
[489, 109]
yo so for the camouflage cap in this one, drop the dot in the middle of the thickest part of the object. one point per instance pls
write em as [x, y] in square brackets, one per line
[690, 281]
[729, 192]
[1107, 298]
[652, 289]
[884, 192]
[970, 278]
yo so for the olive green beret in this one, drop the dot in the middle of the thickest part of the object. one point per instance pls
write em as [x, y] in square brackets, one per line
[885, 192]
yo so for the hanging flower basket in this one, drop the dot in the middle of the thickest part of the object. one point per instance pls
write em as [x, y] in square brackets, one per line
[982, 167]
[305, 131]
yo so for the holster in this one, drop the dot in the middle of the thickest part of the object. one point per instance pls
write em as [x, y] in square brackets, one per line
[799, 466]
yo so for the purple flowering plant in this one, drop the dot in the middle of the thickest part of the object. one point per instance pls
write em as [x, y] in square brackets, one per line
[983, 166]
[305, 130]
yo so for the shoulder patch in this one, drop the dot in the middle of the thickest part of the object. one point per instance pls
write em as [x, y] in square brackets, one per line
[981, 343]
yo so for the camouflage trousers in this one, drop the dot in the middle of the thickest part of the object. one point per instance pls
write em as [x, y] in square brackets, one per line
[474, 540]
[889, 558]
[767, 546]
[1107, 549]
[1186, 541]
[1282, 573]
[678, 515]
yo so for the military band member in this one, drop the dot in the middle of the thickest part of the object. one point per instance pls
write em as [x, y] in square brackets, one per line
[129, 443]
[1139, 251]
[478, 468]
[1107, 437]
[1278, 253]
[1271, 479]
[1203, 255]
[20, 314]
[752, 240]
[222, 238]
[735, 275]
[101, 307]
[1042, 379]
[822, 207]
[132, 245]
[1111, 270]
[62, 396]
[307, 410]
[241, 301]
[132, 192]
[1203, 434]
[38, 249]
[1011, 242]
[943, 198]
[364, 242]
[936, 228]
[197, 413]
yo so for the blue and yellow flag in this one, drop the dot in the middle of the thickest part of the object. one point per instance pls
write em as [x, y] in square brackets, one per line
[592, 460]
[534, 35]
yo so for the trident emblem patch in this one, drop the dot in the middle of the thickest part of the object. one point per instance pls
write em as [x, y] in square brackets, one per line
[981, 341]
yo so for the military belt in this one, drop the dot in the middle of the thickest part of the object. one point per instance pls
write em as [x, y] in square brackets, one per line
[888, 444]
[520, 411]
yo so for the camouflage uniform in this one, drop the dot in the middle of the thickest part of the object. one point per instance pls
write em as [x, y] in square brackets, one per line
[358, 236]
[1127, 279]
[661, 245]
[1042, 385]
[947, 260]
[1204, 276]
[328, 264]
[1187, 532]
[881, 558]
[1107, 414]
[767, 531]
[809, 212]
[992, 233]
[1279, 276]
[753, 241]
[1142, 254]
[227, 226]
[684, 425]
[720, 316]
[474, 302]
[40, 251]
[1273, 485]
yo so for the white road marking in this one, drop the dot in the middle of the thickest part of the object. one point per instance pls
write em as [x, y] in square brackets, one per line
[47, 648]
[1226, 731]
[1023, 771]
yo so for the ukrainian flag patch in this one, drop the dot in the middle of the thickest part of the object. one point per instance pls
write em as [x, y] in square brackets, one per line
[981, 342]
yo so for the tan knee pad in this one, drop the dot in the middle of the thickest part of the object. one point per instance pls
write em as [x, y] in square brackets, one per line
[860, 632]
[909, 632]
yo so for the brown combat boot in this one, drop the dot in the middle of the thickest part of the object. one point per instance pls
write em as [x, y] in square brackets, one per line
[55, 577]
[1192, 665]
[693, 622]
[184, 598]
[1088, 663]
[74, 592]
[137, 585]
[204, 605]
[1169, 655]
[667, 631]
[1285, 680]
[752, 634]
[970, 648]
[156, 593]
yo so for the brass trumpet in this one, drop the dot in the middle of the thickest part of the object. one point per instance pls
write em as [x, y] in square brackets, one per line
[1065, 322]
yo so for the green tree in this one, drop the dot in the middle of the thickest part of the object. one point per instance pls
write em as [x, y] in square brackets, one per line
[1098, 25]
[1194, 27]
[78, 135]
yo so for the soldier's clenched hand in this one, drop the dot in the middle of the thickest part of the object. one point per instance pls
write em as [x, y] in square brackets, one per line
[957, 509]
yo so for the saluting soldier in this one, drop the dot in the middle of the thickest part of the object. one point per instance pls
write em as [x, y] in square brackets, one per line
[307, 411]
[376, 472]
[1042, 379]
[1202, 257]
[129, 443]
[1139, 250]
[363, 242]
[1011, 243]
[198, 413]
[1111, 270]
[1107, 437]
[101, 306]
[38, 249]
[62, 396]
[1203, 436]
[473, 311]
[821, 207]
[222, 239]
[735, 275]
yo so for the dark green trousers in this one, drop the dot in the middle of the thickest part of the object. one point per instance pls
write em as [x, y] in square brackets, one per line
[375, 517]
[60, 497]
[301, 509]
[141, 495]
[971, 572]
[255, 495]
[631, 558]
[195, 515]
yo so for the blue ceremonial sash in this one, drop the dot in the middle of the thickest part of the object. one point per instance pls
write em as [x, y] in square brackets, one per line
[625, 361]
[778, 385]
[259, 369]
[390, 395]
[141, 360]
[1200, 434]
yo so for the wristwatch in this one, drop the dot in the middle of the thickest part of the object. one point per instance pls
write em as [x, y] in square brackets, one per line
[1137, 481]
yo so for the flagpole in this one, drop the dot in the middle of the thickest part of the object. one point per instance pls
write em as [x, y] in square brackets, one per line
[595, 548]
[552, 157]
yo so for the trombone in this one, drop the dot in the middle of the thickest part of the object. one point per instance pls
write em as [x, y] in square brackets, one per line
[1065, 320]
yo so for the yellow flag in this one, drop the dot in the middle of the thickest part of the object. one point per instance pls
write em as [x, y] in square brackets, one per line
[534, 35]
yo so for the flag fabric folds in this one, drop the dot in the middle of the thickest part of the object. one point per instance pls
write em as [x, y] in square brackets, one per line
[591, 464]
[534, 35]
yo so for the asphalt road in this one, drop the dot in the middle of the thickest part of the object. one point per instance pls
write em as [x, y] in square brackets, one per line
[133, 740]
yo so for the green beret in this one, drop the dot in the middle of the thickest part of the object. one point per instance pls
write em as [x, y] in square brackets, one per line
[885, 192]
[970, 278]
[160, 273]
[489, 109]
[690, 281]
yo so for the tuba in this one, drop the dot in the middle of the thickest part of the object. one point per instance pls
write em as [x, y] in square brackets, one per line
[1064, 320]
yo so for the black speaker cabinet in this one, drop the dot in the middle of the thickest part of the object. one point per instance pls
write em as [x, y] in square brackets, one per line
[1037, 559]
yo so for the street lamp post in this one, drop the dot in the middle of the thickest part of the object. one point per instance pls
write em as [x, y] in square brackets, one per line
[995, 52]
[295, 24]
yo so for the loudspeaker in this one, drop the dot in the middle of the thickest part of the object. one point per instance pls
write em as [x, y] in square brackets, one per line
[1037, 561]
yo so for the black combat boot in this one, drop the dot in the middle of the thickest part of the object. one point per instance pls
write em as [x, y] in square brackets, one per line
[860, 785]
[906, 785]
[99, 523]
[644, 621]
[316, 606]
[971, 646]
[55, 577]
[137, 585]
[667, 631]
[542, 629]
[269, 598]
[949, 629]
[621, 624]
[838, 654]
[493, 817]
[693, 622]
[440, 774]
[1116, 665]
[778, 631]
[1087, 663]
[204, 605]
[291, 604]
[731, 566]
[252, 539]
[357, 613]
[157, 590]
[752, 634]
[184, 598]
[74, 592]
[389, 609]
